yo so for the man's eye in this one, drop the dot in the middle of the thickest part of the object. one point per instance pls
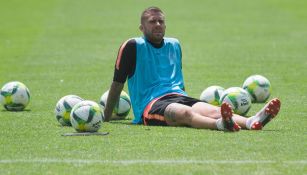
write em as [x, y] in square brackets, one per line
[155, 21]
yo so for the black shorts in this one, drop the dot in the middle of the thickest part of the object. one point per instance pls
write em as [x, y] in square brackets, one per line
[154, 112]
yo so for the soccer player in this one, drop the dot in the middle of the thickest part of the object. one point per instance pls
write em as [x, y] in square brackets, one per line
[152, 65]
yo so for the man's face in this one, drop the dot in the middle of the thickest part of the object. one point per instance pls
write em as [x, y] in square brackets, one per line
[153, 27]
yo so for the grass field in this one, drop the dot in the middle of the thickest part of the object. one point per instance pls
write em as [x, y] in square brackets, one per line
[61, 47]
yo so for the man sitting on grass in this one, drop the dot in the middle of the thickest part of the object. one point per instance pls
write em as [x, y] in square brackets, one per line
[152, 64]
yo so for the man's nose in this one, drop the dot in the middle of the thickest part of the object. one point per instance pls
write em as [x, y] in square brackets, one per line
[158, 23]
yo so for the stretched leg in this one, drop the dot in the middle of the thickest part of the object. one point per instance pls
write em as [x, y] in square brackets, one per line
[257, 122]
[181, 115]
[214, 112]
[208, 110]
[240, 120]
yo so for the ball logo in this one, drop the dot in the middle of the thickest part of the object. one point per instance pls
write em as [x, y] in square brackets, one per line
[244, 102]
[97, 125]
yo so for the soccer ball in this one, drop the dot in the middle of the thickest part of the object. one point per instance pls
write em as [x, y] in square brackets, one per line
[122, 107]
[86, 116]
[212, 95]
[258, 87]
[15, 96]
[238, 98]
[63, 108]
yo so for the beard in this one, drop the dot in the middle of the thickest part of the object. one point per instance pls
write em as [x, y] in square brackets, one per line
[155, 37]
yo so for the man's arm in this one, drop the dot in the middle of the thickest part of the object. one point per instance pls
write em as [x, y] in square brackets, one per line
[113, 97]
[124, 67]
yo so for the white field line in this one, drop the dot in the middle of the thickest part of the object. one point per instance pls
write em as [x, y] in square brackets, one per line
[131, 162]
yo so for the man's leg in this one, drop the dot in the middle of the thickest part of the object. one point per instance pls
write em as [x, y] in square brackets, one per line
[214, 112]
[181, 115]
[208, 110]
[257, 122]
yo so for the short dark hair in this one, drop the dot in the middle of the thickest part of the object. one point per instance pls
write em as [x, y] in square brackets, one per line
[149, 10]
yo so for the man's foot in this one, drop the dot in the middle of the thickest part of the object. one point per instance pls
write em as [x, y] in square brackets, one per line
[228, 123]
[265, 115]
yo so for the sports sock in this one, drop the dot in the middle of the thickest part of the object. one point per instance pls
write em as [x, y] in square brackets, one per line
[219, 124]
[251, 120]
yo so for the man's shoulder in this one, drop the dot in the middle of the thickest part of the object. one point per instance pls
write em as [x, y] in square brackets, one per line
[140, 40]
[134, 41]
[171, 40]
[130, 41]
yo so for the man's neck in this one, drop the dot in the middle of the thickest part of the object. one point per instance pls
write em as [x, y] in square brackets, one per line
[155, 44]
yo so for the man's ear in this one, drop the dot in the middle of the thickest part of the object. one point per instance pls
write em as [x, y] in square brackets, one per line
[141, 27]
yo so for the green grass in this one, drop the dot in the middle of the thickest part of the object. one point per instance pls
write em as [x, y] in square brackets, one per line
[66, 47]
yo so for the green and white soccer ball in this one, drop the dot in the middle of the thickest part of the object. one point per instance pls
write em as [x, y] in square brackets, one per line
[122, 107]
[212, 95]
[86, 116]
[258, 87]
[15, 96]
[238, 98]
[64, 107]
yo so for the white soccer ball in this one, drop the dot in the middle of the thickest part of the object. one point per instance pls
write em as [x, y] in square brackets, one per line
[212, 95]
[122, 107]
[238, 98]
[258, 87]
[64, 107]
[15, 96]
[86, 116]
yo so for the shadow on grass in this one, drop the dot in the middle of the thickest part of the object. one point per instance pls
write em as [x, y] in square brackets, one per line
[129, 122]
[67, 126]
[124, 122]
[25, 110]
[271, 130]
[86, 134]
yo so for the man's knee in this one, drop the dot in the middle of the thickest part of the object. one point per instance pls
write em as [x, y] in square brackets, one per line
[178, 114]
